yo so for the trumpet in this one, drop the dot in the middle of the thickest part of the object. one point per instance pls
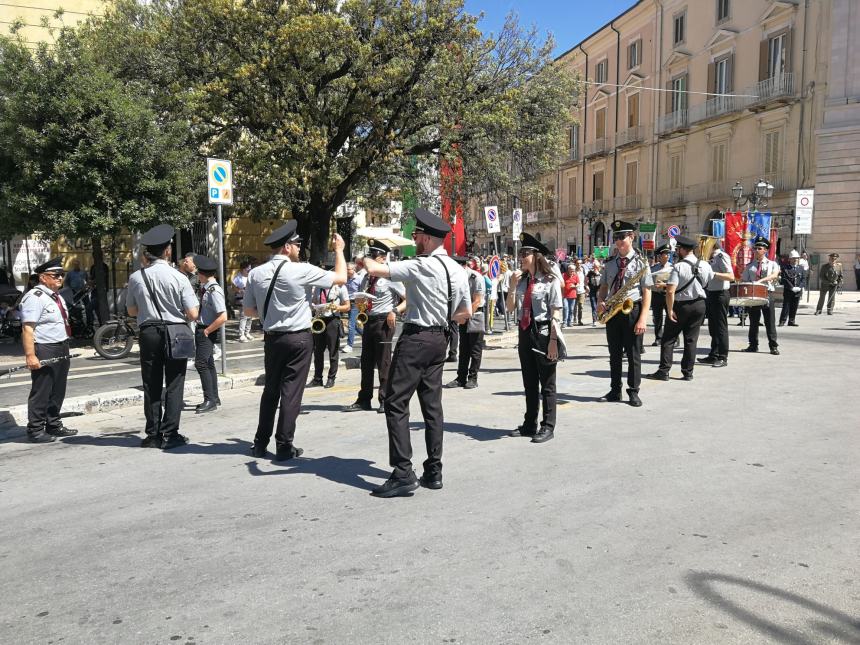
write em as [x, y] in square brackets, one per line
[318, 323]
[361, 318]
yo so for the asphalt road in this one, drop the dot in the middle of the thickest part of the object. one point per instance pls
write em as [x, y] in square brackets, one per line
[725, 510]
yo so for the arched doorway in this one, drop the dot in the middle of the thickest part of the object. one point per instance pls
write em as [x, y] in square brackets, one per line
[598, 235]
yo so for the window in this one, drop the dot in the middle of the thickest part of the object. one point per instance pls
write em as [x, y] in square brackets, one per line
[600, 123]
[679, 28]
[571, 190]
[679, 93]
[633, 110]
[771, 152]
[631, 177]
[634, 54]
[719, 159]
[675, 171]
[721, 76]
[574, 141]
[776, 55]
[601, 73]
[597, 185]
[722, 10]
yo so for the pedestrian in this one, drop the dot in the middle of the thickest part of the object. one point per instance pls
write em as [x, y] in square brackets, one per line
[492, 296]
[762, 271]
[163, 301]
[504, 285]
[829, 279]
[45, 336]
[685, 306]
[353, 283]
[581, 288]
[717, 308]
[791, 278]
[189, 270]
[76, 279]
[569, 295]
[436, 292]
[488, 287]
[328, 304]
[382, 310]
[537, 292]
[240, 283]
[592, 280]
[213, 316]
[471, 332]
[623, 330]
[660, 272]
[276, 293]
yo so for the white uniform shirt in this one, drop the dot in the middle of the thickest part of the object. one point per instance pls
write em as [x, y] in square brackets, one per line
[634, 264]
[170, 286]
[426, 285]
[388, 295]
[682, 276]
[720, 263]
[753, 272]
[38, 306]
[338, 295]
[546, 295]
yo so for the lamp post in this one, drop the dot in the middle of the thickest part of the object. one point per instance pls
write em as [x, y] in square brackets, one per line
[586, 216]
[757, 198]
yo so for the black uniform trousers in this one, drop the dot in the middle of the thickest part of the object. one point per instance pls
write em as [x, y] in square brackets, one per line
[717, 311]
[156, 370]
[658, 310]
[48, 389]
[329, 340]
[375, 355]
[287, 358]
[417, 365]
[204, 362]
[790, 303]
[453, 339]
[471, 352]
[621, 340]
[828, 291]
[690, 315]
[755, 314]
[538, 383]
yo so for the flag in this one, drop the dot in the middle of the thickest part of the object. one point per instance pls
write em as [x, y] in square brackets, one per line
[451, 176]
[759, 225]
[774, 238]
[736, 241]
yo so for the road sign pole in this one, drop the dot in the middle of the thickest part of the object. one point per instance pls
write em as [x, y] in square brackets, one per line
[222, 333]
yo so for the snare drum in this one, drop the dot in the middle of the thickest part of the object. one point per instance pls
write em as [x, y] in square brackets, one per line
[748, 294]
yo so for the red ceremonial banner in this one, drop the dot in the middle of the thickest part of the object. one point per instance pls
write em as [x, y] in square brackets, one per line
[774, 237]
[450, 177]
[736, 241]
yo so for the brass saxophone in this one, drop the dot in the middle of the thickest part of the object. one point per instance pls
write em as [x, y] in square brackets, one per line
[618, 301]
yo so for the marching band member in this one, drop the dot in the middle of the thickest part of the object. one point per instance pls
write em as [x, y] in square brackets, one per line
[762, 271]
[658, 290]
[337, 299]
[622, 330]
[378, 331]
[685, 305]
[538, 299]
[717, 308]
[471, 333]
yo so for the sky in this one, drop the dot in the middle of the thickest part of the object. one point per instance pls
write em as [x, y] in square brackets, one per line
[570, 21]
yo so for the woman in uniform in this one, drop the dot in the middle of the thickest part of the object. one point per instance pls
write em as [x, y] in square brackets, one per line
[536, 291]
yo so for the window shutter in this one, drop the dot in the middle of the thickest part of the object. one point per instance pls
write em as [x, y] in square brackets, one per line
[789, 39]
[730, 72]
[684, 96]
[762, 60]
[669, 96]
[712, 77]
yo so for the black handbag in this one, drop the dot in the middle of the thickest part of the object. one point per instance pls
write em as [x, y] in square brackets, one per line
[180, 339]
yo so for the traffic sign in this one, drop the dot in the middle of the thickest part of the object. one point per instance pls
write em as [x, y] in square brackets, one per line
[803, 212]
[517, 222]
[673, 231]
[495, 267]
[491, 213]
[220, 176]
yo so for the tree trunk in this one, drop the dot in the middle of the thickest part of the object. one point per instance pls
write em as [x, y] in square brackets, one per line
[319, 220]
[101, 280]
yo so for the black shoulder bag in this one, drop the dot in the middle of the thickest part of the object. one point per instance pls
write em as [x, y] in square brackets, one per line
[180, 339]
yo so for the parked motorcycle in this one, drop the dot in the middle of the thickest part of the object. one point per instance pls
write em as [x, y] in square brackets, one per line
[115, 339]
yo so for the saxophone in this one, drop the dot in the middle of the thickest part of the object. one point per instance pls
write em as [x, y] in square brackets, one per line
[618, 301]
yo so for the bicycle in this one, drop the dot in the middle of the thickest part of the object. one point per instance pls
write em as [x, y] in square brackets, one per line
[114, 339]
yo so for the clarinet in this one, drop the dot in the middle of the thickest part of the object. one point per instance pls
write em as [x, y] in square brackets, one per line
[47, 361]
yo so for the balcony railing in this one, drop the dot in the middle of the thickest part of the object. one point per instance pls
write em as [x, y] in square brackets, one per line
[717, 107]
[780, 87]
[571, 211]
[571, 155]
[671, 197]
[598, 147]
[627, 203]
[679, 120]
[601, 205]
[630, 136]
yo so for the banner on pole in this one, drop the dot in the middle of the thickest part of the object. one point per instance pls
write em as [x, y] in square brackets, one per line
[601, 252]
[491, 214]
[737, 242]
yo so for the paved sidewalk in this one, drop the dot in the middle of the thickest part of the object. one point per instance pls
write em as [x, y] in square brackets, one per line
[723, 511]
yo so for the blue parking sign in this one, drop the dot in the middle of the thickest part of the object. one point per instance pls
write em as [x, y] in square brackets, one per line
[213, 193]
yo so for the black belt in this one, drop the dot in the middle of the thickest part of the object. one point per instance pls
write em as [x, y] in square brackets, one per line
[282, 333]
[59, 342]
[413, 328]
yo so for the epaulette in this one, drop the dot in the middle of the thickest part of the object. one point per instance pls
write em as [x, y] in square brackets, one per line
[212, 288]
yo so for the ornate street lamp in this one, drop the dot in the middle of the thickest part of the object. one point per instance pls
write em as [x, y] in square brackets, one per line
[761, 193]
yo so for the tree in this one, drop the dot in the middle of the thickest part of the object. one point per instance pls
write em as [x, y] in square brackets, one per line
[84, 154]
[318, 101]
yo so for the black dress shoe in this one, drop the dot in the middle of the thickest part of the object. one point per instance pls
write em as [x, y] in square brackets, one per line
[542, 435]
[433, 482]
[719, 363]
[657, 376]
[355, 407]
[817, 313]
[40, 437]
[62, 431]
[522, 432]
[687, 377]
[451, 359]
[287, 452]
[152, 441]
[635, 401]
[329, 382]
[707, 359]
[315, 382]
[258, 451]
[174, 441]
[395, 487]
[656, 343]
[453, 384]
[470, 385]
[613, 396]
[380, 409]
[774, 351]
[207, 406]
[750, 350]
[793, 324]
[780, 324]
[205, 403]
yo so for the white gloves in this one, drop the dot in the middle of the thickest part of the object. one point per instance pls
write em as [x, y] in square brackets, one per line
[796, 289]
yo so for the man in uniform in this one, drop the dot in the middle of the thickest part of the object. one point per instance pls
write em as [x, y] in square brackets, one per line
[717, 308]
[329, 303]
[436, 291]
[685, 303]
[658, 290]
[277, 294]
[378, 330]
[213, 315]
[762, 271]
[472, 332]
[622, 331]
[45, 335]
[792, 278]
[159, 295]
[829, 279]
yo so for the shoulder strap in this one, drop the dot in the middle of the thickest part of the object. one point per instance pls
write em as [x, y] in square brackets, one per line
[450, 289]
[695, 275]
[151, 292]
[271, 288]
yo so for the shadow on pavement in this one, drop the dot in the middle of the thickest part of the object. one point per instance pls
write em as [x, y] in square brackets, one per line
[559, 397]
[335, 469]
[837, 625]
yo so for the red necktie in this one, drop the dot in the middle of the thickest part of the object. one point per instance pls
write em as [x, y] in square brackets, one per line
[323, 298]
[56, 298]
[526, 318]
[619, 279]
[372, 291]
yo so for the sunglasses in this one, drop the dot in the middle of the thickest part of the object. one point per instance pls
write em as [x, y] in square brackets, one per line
[618, 236]
[525, 252]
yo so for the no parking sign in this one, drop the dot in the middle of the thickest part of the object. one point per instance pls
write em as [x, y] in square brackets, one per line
[491, 213]
[495, 267]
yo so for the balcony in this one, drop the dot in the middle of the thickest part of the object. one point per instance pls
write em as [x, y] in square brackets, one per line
[571, 155]
[630, 136]
[627, 203]
[673, 122]
[571, 211]
[717, 107]
[598, 147]
[598, 205]
[670, 197]
[779, 89]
